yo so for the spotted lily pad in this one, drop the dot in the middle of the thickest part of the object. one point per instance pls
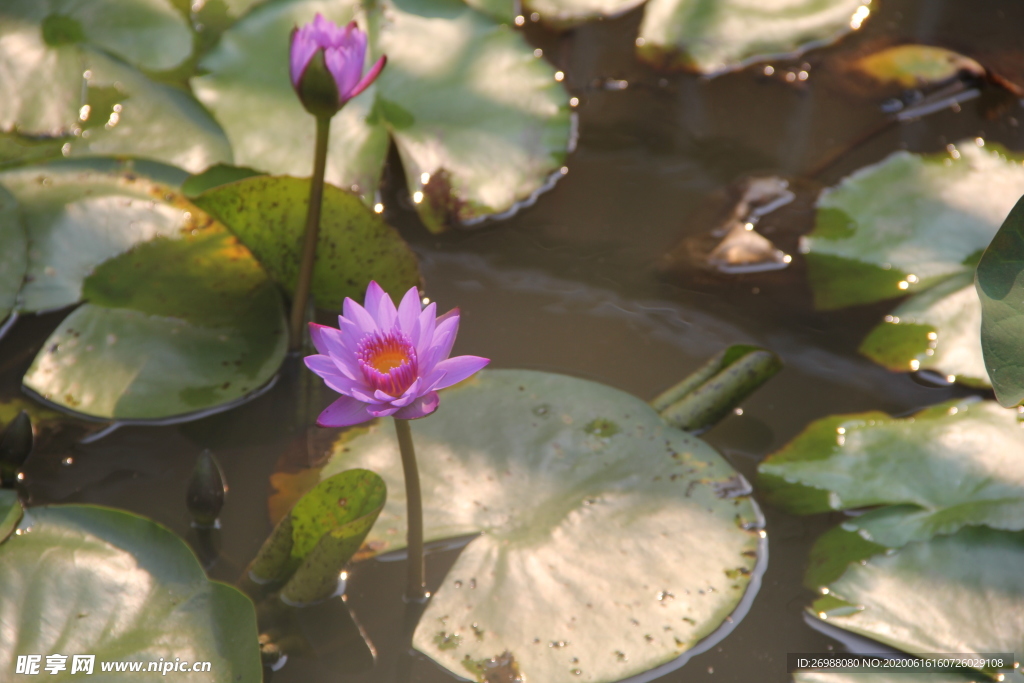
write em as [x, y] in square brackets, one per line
[79, 214]
[999, 287]
[122, 588]
[479, 121]
[356, 246]
[13, 254]
[962, 593]
[609, 543]
[905, 225]
[715, 37]
[172, 328]
[946, 467]
[46, 46]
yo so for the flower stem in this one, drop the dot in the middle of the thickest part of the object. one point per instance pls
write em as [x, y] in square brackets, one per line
[309, 241]
[414, 590]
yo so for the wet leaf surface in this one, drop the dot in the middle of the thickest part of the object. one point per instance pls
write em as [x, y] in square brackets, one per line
[79, 214]
[911, 66]
[173, 327]
[479, 121]
[716, 37]
[269, 215]
[948, 466]
[938, 596]
[585, 568]
[13, 253]
[1002, 315]
[121, 587]
[10, 513]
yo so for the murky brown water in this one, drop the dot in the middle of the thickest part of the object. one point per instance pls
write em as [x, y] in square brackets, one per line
[570, 285]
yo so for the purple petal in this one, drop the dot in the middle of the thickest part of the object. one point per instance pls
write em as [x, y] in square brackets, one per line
[322, 365]
[344, 412]
[427, 326]
[359, 315]
[344, 59]
[441, 347]
[381, 412]
[374, 294]
[338, 348]
[370, 77]
[421, 407]
[362, 394]
[316, 333]
[387, 314]
[303, 47]
[409, 313]
[454, 370]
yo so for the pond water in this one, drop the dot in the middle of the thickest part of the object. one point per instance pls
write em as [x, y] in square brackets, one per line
[576, 284]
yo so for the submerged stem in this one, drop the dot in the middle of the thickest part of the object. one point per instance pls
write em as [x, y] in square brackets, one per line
[311, 237]
[414, 590]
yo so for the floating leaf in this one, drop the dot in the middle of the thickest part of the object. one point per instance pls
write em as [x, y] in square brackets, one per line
[269, 215]
[638, 537]
[953, 594]
[120, 587]
[46, 46]
[938, 329]
[79, 214]
[13, 253]
[725, 35]
[10, 513]
[479, 121]
[908, 222]
[173, 327]
[1002, 315]
[948, 466]
[322, 532]
[912, 66]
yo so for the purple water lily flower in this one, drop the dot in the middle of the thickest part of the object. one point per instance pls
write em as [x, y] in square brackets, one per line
[387, 361]
[344, 55]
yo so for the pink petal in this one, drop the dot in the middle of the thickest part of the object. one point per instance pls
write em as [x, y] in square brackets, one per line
[370, 77]
[316, 333]
[387, 315]
[301, 52]
[427, 326]
[344, 412]
[454, 370]
[421, 407]
[374, 294]
[359, 315]
[409, 313]
[381, 412]
[410, 395]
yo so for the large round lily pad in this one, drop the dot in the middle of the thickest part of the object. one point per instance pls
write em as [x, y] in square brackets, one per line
[720, 36]
[480, 122]
[79, 214]
[45, 46]
[88, 580]
[948, 466]
[13, 253]
[609, 543]
[173, 327]
[356, 246]
[953, 594]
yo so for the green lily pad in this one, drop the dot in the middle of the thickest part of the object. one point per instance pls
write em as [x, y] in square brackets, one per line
[79, 214]
[322, 532]
[948, 466]
[715, 37]
[13, 253]
[172, 328]
[45, 50]
[911, 66]
[600, 555]
[1002, 315]
[122, 588]
[479, 121]
[10, 513]
[908, 222]
[953, 594]
[269, 215]
[938, 330]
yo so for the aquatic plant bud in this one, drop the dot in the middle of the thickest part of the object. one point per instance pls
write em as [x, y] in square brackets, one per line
[15, 446]
[326, 65]
[387, 361]
[206, 488]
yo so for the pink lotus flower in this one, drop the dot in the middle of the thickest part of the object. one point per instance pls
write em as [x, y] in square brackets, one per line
[344, 54]
[387, 361]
